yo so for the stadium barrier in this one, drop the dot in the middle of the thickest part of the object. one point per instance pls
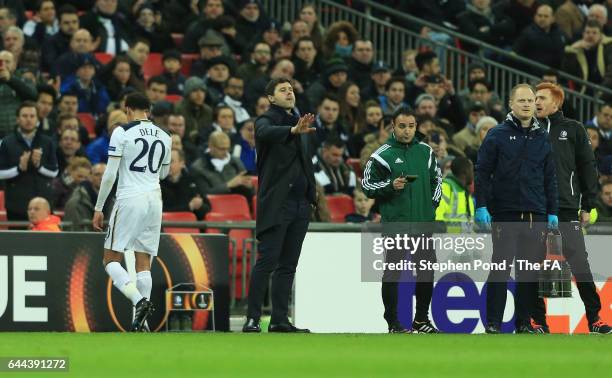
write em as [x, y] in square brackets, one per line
[56, 281]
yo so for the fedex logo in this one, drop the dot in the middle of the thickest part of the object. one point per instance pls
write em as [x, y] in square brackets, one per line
[459, 306]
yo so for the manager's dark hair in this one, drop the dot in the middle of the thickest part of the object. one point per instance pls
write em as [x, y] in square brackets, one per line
[271, 86]
[137, 101]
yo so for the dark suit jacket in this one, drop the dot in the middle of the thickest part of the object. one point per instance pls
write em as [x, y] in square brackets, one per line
[281, 157]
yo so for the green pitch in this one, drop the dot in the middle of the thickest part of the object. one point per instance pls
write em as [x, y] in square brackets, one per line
[185, 355]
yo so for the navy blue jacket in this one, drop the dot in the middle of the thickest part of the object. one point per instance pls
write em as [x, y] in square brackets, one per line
[515, 171]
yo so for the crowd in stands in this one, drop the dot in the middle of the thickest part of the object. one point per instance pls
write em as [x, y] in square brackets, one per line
[67, 66]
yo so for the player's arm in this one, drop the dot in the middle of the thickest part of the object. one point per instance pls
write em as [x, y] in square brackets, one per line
[115, 151]
[165, 168]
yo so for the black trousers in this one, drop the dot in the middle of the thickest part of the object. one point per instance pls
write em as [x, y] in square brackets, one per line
[516, 236]
[576, 255]
[423, 288]
[279, 251]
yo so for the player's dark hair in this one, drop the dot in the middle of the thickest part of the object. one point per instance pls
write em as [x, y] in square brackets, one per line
[137, 101]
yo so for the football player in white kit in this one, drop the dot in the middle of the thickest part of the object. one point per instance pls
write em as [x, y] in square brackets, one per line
[140, 152]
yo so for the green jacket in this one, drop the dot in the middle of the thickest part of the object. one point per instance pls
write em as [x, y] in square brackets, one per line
[418, 201]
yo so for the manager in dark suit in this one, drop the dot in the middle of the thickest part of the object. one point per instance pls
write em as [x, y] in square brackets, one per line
[286, 192]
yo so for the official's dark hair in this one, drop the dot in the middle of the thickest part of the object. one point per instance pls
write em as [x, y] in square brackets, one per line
[271, 86]
[461, 166]
[137, 101]
[47, 89]
[395, 79]
[26, 104]
[157, 80]
[333, 142]
[402, 111]
[423, 58]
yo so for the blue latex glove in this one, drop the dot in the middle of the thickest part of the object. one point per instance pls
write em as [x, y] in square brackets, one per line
[482, 217]
[553, 222]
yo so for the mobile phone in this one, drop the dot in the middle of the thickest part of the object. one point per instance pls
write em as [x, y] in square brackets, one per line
[411, 178]
[435, 138]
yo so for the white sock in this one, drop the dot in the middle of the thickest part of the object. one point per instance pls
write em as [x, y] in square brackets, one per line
[121, 280]
[144, 283]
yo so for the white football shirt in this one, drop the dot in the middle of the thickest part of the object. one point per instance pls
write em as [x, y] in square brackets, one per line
[143, 148]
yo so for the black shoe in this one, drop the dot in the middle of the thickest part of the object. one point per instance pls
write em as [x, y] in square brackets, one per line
[599, 327]
[286, 328]
[144, 309]
[540, 328]
[493, 329]
[251, 326]
[528, 328]
[424, 327]
[397, 327]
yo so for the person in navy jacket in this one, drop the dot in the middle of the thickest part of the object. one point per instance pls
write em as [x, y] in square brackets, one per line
[516, 188]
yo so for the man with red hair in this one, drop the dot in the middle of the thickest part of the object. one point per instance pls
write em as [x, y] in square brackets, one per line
[577, 186]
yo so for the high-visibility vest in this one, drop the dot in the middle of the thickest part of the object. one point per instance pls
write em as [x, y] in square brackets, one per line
[456, 205]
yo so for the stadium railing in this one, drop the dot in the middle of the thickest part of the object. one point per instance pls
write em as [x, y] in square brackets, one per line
[391, 40]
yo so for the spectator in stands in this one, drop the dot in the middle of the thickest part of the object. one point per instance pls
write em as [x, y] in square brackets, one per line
[299, 29]
[66, 120]
[542, 41]
[328, 123]
[225, 27]
[307, 61]
[44, 24]
[283, 68]
[179, 190]
[210, 47]
[335, 75]
[92, 95]
[80, 206]
[603, 122]
[69, 146]
[59, 43]
[138, 53]
[593, 133]
[448, 103]
[425, 104]
[570, 20]
[223, 120]
[245, 148]
[40, 217]
[438, 139]
[485, 23]
[521, 13]
[147, 28]
[363, 207]
[172, 72]
[457, 204]
[68, 104]
[45, 107]
[234, 90]
[429, 65]
[261, 105]
[599, 13]
[339, 40]
[361, 62]
[8, 18]
[331, 172]
[352, 112]
[176, 126]
[381, 74]
[308, 14]
[219, 71]
[13, 91]
[258, 65]
[27, 163]
[157, 89]
[468, 137]
[78, 170]
[212, 10]
[409, 69]
[589, 57]
[217, 172]
[108, 27]
[14, 41]
[117, 75]
[480, 90]
[249, 24]
[369, 119]
[198, 115]
[394, 97]
[97, 151]
[67, 63]
[373, 141]
[440, 13]
[604, 203]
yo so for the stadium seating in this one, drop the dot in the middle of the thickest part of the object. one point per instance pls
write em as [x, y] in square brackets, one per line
[103, 57]
[89, 122]
[255, 182]
[153, 66]
[356, 165]
[173, 98]
[254, 206]
[2, 208]
[339, 206]
[180, 216]
[178, 39]
[3, 218]
[234, 206]
[186, 62]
